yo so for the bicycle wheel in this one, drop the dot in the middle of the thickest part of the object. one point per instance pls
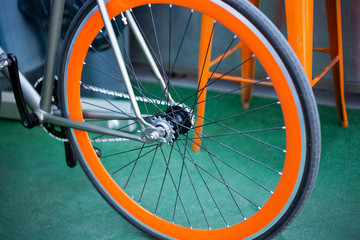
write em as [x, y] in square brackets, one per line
[254, 169]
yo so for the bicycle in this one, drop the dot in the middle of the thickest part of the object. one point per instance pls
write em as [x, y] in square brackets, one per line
[165, 165]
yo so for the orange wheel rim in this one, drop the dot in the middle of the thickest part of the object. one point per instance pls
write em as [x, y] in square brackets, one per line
[291, 170]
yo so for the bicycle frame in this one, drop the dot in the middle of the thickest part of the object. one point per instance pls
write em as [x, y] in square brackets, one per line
[41, 105]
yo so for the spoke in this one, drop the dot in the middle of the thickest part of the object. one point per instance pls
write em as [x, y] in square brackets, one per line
[148, 174]
[206, 185]
[170, 23]
[136, 161]
[130, 67]
[157, 42]
[234, 168]
[123, 152]
[203, 66]
[147, 40]
[151, 49]
[192, 183]
[104, 108]
[243, 134]
[101, 31]
[238, 114]
[219, 78]
[103, 72]
[199, 167]
[223, 56]
[103, 58]
[173, 182]
[165, 174]
[178, 187]
[202, 135]
[223, 179]
[181, 42]
[239, 153]
[234, 90]
[212, 82]
[129, 163]
[179, 184]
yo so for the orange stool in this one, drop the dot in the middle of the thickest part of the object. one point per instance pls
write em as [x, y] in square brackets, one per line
[299, 19]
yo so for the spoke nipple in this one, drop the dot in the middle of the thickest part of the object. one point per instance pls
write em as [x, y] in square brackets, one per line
[149, 5]
[101, 30]
[235, 37]
[214, 21]
[280, 173]
[90, 46]
[192, 10]
[210, 228]
[278, 102]
[245, 218]
[227, 225]
[267, 78]
[84, 63]
[283, 127]
[259, 208]
[253, 57]
[284, 151]
[170, 5]
[271, 192]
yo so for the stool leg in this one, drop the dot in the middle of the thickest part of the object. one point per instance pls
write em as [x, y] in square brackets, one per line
[335, 39]
[204, 74]
[247, 70]
[299, 20]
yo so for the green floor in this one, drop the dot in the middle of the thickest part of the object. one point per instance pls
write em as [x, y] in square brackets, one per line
[41, 198]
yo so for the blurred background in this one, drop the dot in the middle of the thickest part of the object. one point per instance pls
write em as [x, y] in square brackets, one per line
[23, 31]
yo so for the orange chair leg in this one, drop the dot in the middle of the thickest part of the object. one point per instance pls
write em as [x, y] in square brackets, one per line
[204, 74]
[247, 70]
[335, 38]
[299, 20]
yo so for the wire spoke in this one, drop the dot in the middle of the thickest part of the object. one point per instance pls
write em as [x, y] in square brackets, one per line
[199, 167]
[234, 168]
[148, 174]
[222, 178]
[127, 151]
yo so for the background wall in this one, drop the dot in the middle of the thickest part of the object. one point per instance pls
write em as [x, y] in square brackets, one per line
[19, 36]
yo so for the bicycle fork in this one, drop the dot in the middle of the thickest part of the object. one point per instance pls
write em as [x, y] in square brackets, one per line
[149, 132]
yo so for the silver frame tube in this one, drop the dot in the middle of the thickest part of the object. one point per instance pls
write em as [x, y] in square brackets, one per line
[55, 24]
[144, 47]
[64, 122]
[120, 61]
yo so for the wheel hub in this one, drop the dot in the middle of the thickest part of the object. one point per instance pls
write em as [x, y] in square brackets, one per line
[181, 119]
